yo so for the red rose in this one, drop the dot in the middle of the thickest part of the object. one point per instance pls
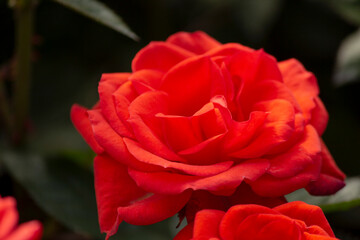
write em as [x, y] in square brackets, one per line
[8, 223]
[196, 115]
[290, 221]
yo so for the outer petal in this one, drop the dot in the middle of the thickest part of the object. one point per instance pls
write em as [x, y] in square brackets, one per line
[302, 83]
[153, 209]
[80, 119]
[304, 86]
[270, 186]
[296, 159]
[173, 183]
[310, 214]
[207, 224]
[325, 185]
[331, 178]
[186, 233]
[319, 116]
[8, 216]
[27, 231]
[167, 56]
[114, 188]
[197, 42]
[228, 49]
[113, 143]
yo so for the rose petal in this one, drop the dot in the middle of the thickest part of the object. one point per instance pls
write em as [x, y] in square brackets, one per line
[121, 107]
[310, 214]
[236, 215]
[199, 79]
[153, 209]
[197, 42]
[277, 129]
[173, 183]
[302, 83]
[297, 158]
[204, 153]
[254, 67]
[207, 224]
[8, 216]
[325, 185]
[234, 140]
[114, 188]
[319, 116]
[146, 126]
[308, 236]
[328, 164]
[228, 49]
[331, 178]
[113, 143]
[107, 87]
[146, 157]
[210, 125]
[316, 230]
[146, 80]
[80, 119]
[27, 231]
[179, 132]
[266, 90]
[186, 233]
[167, 56]
[268, 226]
[270, 186]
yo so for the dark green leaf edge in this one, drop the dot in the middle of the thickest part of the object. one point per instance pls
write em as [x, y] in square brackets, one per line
[116, 24]
[342, 206]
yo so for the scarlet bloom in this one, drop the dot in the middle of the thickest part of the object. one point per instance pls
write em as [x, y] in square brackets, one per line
[290, 221]
[199, 116]
[9, 217]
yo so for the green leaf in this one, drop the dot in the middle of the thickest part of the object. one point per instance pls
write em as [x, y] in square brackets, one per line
[348, 60]
[100, 13]
[60, 187]
[348, 9]
[345, 199]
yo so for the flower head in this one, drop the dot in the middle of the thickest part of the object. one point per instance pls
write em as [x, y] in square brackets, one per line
[196, 115]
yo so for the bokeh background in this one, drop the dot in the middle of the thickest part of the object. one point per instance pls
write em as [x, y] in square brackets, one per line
[52, 179]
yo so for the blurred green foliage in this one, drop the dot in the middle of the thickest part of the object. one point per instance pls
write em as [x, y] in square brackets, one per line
[71, 53]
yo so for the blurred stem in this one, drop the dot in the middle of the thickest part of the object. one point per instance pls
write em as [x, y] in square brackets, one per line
[24, 14]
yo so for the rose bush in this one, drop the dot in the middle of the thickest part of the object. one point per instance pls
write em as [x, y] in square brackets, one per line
[199, 116]
[290, 221]
[9, 218]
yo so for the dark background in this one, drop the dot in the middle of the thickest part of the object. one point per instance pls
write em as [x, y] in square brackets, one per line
[71, 52]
